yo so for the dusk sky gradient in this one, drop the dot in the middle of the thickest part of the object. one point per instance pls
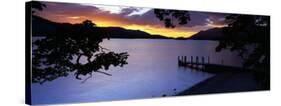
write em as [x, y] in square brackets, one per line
[129, 17]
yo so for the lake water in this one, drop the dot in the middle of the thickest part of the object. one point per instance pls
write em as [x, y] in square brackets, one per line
[152, 71]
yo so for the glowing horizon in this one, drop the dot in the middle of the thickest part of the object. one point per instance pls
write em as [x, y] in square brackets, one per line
[132, 18]
[174, 33]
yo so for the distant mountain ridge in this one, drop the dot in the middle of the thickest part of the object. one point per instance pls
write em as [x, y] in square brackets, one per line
[210, 34]
[119, 32]
[41, 26]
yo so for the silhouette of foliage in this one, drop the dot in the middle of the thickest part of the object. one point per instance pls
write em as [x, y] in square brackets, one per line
[61, 51]
[250, 36]
[244, 31]
[36, 5]
[170, 17]
[247, 34]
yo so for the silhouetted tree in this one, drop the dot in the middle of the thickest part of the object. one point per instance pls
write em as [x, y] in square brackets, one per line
[36, 5]
[247, 34]
[60, 52]
[250, 36]
[242, 33]
[170, 17]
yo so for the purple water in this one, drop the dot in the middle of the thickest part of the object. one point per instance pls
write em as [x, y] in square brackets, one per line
[152, 72]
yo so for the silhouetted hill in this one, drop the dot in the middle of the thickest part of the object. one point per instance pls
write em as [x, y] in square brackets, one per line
[41, 26]
[119, 32]
[210, 34]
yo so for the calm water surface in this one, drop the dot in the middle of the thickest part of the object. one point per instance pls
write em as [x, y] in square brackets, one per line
[152, 72]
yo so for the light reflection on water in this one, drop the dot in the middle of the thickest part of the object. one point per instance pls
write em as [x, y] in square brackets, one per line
[152, 72]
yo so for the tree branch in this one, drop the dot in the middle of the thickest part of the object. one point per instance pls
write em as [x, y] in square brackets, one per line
[102, 48]
[103, 73]
[78, 59]
[87, 78]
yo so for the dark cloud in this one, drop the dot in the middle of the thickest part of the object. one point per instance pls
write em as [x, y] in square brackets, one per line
[127, 11]
[197, 19]
[205, 18]
[68, 9]
[217, 18]
[59, 10]
[147, 18]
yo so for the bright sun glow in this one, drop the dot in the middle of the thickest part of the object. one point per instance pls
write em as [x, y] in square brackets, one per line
[74, 17]
[161, 31]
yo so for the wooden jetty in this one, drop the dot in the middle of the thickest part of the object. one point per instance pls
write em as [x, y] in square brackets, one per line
[203, 64]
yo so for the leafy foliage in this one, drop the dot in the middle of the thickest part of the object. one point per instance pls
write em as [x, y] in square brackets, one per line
[254, 31]
[247, 34]
[61, 51]
[244, 31]
[36, 5]
[170, 17]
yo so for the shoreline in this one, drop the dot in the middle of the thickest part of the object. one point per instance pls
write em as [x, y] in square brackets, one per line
[225, 82]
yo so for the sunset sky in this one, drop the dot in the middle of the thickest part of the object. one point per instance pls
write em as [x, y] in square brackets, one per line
[129, 17]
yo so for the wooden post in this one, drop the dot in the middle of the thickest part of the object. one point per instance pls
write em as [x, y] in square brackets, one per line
[203, 63]
[178, 60]
[208, 59]
[184, 60]
[191, 59]
[196, 59]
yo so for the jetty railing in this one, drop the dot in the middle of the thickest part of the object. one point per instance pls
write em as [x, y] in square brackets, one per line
[203, 63]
